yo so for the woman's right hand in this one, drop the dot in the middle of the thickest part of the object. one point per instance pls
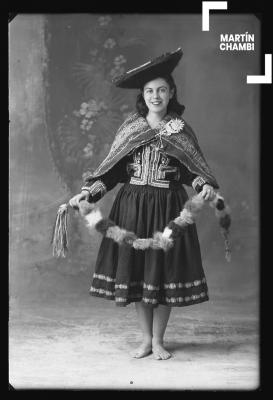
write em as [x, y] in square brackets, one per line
[75, 201]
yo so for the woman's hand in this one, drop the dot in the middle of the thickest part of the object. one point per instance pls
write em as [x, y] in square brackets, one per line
[75, 201]
[208, 192]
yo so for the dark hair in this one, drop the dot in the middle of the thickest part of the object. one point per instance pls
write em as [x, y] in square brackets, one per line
[173, 105]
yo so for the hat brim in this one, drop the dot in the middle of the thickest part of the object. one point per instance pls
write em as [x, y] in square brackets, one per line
[137, 77]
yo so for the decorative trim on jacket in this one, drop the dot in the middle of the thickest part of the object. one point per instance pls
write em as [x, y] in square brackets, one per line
[97, 187]
[182, 145]
[151, 167]
[198, 183]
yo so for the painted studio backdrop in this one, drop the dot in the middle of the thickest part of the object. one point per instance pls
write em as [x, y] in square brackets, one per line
[64, 113]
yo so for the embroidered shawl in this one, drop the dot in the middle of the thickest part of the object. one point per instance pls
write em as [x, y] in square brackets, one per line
[135, 132]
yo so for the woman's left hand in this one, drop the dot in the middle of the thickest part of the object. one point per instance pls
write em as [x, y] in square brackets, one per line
[208, 192]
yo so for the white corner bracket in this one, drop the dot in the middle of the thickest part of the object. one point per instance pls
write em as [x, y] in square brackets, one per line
[267, 77]
[211, 5]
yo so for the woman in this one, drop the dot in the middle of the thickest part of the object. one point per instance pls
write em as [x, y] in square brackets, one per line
[154, 154]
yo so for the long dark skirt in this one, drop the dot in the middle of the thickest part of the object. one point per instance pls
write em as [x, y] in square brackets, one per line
[125, 275]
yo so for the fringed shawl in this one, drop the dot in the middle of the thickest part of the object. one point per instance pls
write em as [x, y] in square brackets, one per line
[135, 132]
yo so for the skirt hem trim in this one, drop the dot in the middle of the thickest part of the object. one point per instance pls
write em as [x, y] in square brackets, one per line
[135, 300]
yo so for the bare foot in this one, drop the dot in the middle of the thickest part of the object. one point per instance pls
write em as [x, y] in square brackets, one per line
[143, 350]
[160, 353]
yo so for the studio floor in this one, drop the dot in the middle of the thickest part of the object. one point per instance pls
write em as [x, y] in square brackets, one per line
[86, 344]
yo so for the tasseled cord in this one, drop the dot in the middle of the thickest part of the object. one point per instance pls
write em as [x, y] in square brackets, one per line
[59, 239]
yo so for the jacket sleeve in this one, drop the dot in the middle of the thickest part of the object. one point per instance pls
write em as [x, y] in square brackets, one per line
[190, 179]
[98, 187]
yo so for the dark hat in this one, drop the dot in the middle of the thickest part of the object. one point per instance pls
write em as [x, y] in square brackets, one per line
[137, 77]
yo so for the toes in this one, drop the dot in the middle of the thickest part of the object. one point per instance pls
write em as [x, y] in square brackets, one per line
[136, 354]
[161, 355]
[141, 353]
[158, 356]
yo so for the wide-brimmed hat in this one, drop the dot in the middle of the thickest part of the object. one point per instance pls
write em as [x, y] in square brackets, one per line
[160, 66]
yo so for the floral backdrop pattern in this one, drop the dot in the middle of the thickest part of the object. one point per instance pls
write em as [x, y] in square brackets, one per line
[84, 108]
[92, 112]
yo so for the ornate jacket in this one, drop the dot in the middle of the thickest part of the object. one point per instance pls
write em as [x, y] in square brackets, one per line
[166, 156]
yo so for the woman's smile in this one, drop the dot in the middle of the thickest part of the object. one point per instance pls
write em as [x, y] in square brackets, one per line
[157, 95]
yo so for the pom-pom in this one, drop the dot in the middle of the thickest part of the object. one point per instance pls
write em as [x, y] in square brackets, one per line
[167, 232]
[86, 207]
[116, 233]
[93, 218]
[142, 244]
[177, 230]
[184, 218]
[161, 242]
[225, 221]
[102, 225]
[194, 204]
[220, 205]
[217, 202]
[129, 238]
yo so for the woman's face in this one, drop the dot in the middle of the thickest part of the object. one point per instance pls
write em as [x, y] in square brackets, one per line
[157, 95]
